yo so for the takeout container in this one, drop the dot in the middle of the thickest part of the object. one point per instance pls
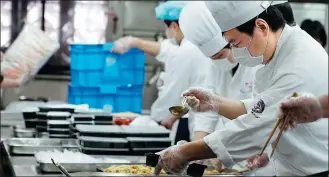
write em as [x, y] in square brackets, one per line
[105, 143]
[147, 131]
[100, 130]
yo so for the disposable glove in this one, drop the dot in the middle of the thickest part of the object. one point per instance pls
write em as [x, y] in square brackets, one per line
[202, 100]
[122, 45]
[304, 108]
[258, 161]
[172, 161]
[215, 163]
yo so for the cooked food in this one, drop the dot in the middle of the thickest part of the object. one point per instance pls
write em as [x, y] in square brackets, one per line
[132, 169]
[145, 170]
[178, 110]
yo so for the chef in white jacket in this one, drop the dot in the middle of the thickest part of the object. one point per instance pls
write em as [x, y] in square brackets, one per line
[290, 61]
[185, 66]
[230, 80]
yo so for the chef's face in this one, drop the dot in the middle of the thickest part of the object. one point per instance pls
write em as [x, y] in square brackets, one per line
[256, 43]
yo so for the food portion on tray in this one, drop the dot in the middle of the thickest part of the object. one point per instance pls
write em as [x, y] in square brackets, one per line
[142, 170]
[146, 170]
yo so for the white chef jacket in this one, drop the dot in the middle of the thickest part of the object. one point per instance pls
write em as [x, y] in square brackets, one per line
[239, 86]
[185, 67]
[299, 64]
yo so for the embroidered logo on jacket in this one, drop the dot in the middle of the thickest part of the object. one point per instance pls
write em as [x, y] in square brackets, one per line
[258, 108]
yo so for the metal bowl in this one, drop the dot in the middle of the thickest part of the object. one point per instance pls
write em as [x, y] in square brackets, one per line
[178, 110]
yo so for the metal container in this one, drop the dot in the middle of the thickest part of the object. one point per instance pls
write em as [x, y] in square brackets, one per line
[100, 130]
[108, 143]
[28, 146]
[24, 132]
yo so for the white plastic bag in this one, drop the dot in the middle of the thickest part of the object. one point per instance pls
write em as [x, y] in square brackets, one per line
[28, 53]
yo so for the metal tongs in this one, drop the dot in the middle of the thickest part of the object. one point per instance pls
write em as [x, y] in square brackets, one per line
[61, 168]
[180, 110]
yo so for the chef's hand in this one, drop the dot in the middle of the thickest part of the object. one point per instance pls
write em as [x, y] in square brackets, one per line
[171, 160]
[215, 163]
[202, 100]
[258, 161]
[304, 108]
[122, 45]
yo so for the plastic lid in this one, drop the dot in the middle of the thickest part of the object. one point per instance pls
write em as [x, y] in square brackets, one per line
[148, 139]
[58, 122]
[58, 114]
[102, 139]
[99, 128]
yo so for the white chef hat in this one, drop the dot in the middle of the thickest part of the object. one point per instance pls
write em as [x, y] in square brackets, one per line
[200, 28]
[278, 2]
[231, 14]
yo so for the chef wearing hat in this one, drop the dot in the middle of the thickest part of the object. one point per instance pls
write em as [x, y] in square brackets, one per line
[185, 66]
[260, 37]
[230, 79]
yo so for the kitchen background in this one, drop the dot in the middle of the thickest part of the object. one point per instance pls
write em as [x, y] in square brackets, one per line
[98, 22]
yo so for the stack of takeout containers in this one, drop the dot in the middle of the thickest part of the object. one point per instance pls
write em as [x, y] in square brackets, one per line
[123, 140]
[101, 78]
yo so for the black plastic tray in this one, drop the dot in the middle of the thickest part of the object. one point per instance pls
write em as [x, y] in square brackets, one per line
[30, 123]
[45, 109]
[102, 151]
[100, 130]
[103, 118]
[154, 132]
[83, 117]
[58, 131]
[154, 142]
[106, 143]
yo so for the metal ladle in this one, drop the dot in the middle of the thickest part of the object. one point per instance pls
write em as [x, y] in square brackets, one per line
[180, 110]
[61, 168]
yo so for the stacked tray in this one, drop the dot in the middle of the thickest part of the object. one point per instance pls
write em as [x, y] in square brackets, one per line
[147, 131]
[58, 128]
[103, 146]
[80, 119]
[142, 145]
[103, 119]
[100, 130]
[41, 124]
[30, 119]
[56, 109]
[43, 117]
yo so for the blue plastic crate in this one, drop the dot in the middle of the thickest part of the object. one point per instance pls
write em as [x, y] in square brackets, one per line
[87, 69]
[87, 56]
[121, 98]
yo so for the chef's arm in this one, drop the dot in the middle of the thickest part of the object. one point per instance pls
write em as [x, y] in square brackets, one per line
[150, 47]
[324, 101]
[230, 108]
[205, 123]
[196, 150]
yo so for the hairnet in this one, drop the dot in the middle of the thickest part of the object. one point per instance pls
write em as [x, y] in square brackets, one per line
[200, 28]
[231, 14]
[169, 10]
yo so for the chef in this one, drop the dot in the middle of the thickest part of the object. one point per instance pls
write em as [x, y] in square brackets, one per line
[260, 37]
[185, 66]
[231, 80]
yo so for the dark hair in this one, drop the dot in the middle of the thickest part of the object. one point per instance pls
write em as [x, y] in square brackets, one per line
[271, 15]
[315, 29]
[168, 22]
[287, 13]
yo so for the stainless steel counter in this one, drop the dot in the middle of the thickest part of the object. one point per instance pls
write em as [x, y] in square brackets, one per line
[27, 165]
